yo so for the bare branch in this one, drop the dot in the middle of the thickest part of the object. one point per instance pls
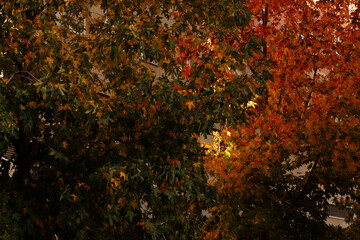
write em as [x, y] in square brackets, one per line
[12, 75]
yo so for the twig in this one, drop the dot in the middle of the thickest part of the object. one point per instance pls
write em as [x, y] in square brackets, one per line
[12, 75]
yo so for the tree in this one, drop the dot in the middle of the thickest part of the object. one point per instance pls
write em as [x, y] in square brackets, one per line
[299, 151]
[104, 147]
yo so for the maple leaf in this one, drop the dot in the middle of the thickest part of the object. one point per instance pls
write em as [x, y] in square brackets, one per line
[49, 61]
[190, 105]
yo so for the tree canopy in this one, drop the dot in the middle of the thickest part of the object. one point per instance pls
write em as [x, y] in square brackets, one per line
[102, 104]
[299, 152]
[100, 113]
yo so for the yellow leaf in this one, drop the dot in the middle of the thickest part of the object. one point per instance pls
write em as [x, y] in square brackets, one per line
[75, 198]
[22, 107]
[123, 175]
[32, 104]
[122, 201]
[197, 164]
[64, 107]
[76, 64]
[49, 60]
[133, 204]
[190, 104]
[251, 104]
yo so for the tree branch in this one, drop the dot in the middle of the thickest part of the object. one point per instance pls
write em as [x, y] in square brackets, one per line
[311, 174]
[19, 72]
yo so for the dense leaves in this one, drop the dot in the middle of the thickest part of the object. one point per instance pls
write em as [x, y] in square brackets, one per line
[103, 110]
[299, 151]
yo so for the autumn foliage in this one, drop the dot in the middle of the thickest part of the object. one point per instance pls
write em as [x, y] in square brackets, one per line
[103, 103]
[99, 120]
[299, 150]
